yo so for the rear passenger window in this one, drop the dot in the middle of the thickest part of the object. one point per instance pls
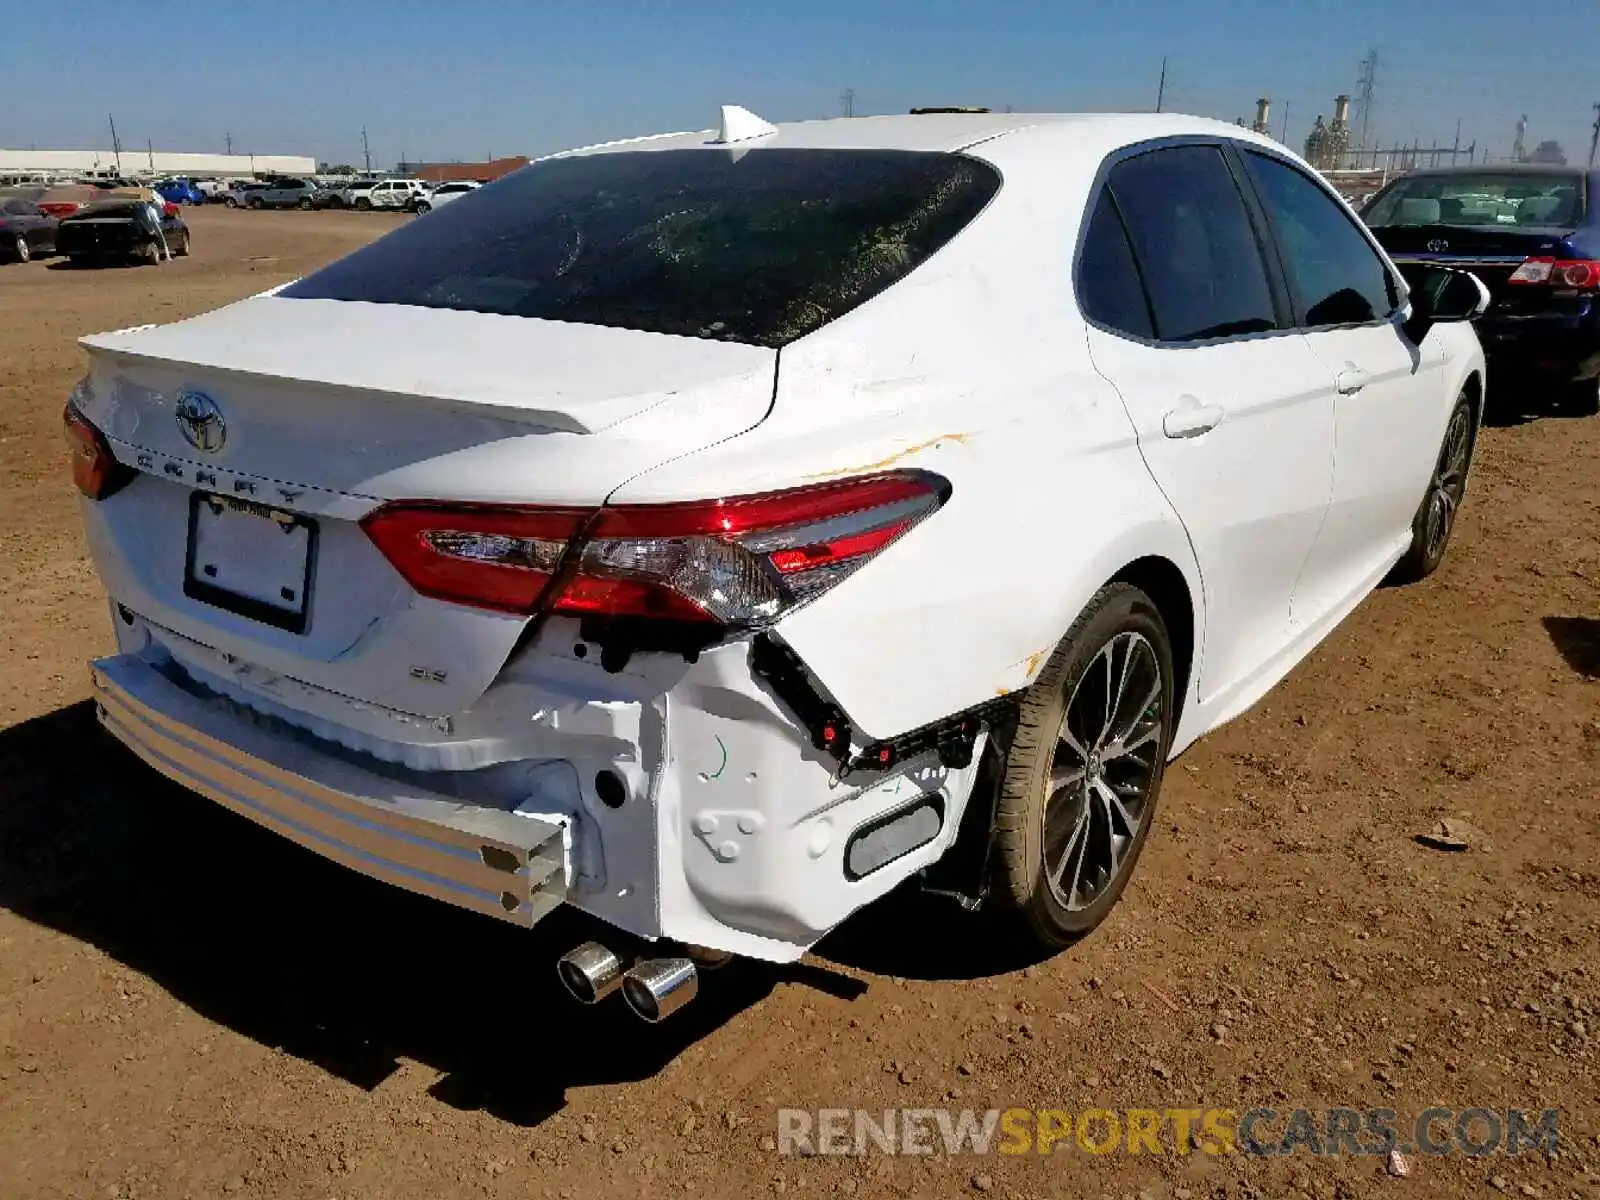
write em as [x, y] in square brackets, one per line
[1108, 280]
[1340, 278]
[1194, 243]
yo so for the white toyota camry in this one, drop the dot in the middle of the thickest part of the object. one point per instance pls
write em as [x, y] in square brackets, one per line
[712, 531]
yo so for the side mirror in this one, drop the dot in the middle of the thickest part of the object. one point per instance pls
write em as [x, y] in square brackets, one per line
[1441, 296]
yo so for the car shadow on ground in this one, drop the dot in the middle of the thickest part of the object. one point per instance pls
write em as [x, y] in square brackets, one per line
[307, 957]
[1578, 640]
[1515, 399]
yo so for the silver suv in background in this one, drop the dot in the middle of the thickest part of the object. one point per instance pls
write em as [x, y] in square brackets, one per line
[286, 193]
[443, 194]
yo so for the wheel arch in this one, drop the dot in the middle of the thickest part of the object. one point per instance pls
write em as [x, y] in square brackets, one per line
[1168, 588]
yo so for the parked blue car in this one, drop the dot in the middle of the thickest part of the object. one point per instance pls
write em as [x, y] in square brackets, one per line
[180, 191]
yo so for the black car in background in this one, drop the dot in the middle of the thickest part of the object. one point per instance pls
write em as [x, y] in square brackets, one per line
[25, 230]
[1532, 234]
[119, 230]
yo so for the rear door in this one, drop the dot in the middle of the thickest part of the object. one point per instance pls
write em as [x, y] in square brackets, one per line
[1388, 410]
[1233, 410]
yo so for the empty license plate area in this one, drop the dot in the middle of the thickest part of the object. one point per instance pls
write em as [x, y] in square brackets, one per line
[250, 559]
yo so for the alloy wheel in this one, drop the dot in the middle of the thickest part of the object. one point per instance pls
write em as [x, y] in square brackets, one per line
[1449, 483]
[1107, 757]
[24, 253]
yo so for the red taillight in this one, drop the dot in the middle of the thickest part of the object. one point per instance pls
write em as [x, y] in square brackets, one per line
[95, 469]
[1579, 274]
[740, 562]
[491, 557]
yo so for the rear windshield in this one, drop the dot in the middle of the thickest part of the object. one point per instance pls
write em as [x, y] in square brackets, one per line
[1482, 198]
[761, 247]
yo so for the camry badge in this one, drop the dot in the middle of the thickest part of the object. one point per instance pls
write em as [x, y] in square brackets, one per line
[201, 422]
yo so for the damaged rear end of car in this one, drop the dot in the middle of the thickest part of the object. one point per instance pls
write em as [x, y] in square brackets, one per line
[379, 584]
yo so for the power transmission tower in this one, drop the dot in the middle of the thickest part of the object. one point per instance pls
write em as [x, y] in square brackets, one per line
[1365, 86]
[1594, 140]
[847, 102]
[1161, 91]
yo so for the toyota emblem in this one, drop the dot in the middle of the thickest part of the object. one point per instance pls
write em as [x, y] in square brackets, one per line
[1438, 246]
[201, 422]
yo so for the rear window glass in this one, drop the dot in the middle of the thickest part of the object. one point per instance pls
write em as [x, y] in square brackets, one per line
[1481, 198]
[760, 247]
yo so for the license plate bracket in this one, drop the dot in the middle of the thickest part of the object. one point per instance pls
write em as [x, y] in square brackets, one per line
[250, 559]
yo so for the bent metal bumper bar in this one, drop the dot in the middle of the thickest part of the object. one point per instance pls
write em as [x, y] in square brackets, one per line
[505, 865]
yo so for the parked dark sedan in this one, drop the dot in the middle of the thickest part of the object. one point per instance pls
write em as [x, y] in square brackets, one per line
[1532, 234]
[121, 230]
[25, 231]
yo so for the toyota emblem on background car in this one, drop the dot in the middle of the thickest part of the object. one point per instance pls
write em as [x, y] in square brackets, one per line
[1438, 246]
[201, 421]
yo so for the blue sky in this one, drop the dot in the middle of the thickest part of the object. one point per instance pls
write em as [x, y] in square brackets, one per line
[464, 78]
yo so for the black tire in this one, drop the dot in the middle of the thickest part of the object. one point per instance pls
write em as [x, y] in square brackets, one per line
[20, 250]
[305, 203]
[150, 253]
[1119, 640]
[230, 202]
[363, 204]
[1435, 519]
[253, 202]
[180, 248]
[422, 206]
[1581, 399]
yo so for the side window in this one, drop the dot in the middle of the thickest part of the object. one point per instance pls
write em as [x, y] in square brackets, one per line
[1108, 280]
[1194, 243]
[1339, 277]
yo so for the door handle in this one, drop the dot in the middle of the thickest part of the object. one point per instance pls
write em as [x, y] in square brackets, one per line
[1192, 420]
[1350, 380]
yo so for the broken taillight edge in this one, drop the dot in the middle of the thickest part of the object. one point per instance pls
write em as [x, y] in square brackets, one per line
[734, 562]
[95, 468]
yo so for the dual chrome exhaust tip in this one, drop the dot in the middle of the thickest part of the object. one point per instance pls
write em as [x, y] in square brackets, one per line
[654, 988]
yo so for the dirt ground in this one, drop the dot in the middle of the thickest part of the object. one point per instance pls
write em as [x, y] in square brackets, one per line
[191, 1008]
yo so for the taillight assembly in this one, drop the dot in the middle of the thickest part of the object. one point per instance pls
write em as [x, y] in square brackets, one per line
[732, 563]
[1579, 274]
[95, 469]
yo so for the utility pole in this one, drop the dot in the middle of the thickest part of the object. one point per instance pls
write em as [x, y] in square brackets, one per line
[366, 151]
[1455, 151]
[1284, 135]
[1594, 140]
[150, 156]
[1161, 91]
[847, 102]
[116, 146]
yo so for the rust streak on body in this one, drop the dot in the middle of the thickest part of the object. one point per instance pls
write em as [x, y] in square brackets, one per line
[893, 458]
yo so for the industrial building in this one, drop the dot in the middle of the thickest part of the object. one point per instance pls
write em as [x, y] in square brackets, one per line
[77, 163]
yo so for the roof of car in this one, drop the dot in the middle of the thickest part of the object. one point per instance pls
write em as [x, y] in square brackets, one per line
[1500, 169]
[941, 131]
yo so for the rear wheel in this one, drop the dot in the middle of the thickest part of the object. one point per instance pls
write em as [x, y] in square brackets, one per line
[180, 247]
[1436, 515]
[1084, 770]
[231, 202]
[305, 203]
[422, 206]
[363, 204]
[151, 253]
[21, 249]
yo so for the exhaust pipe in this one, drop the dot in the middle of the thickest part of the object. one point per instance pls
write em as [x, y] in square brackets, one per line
[659, 987]
[590, 972]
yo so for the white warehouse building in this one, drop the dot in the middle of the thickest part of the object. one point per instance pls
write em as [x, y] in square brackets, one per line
[150, 162]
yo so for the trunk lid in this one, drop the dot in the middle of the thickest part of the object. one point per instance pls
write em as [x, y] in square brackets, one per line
[1491, 252]
[306, 414]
